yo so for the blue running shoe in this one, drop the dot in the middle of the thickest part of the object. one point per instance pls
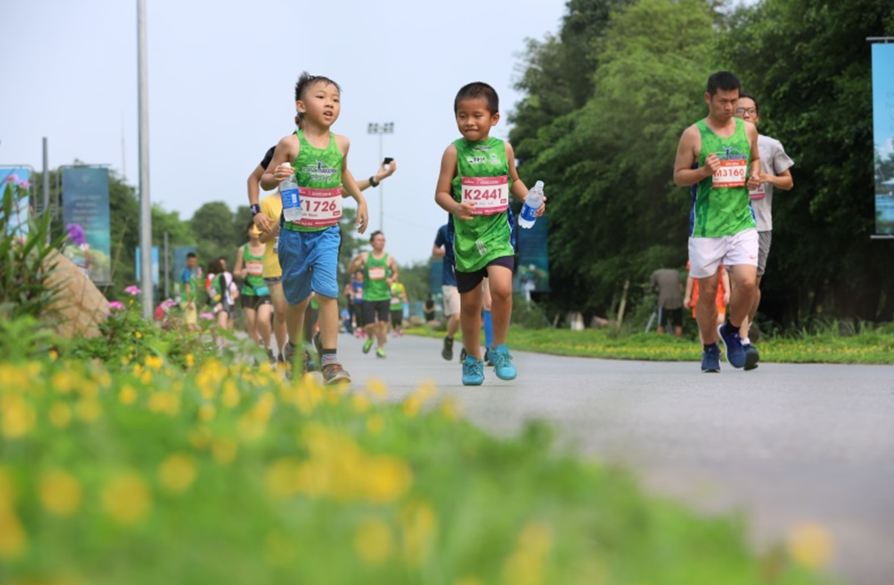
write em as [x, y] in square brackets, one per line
[732, 345]
[751, 356]
[473, 372]
[502, 361]
[711, 359]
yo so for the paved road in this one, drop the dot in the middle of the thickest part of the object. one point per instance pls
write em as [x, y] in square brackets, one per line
[784, 444]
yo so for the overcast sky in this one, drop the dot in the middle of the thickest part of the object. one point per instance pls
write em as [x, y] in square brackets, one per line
[221, 89]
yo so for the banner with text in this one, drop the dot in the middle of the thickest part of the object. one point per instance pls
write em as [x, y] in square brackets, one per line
[532, 274]
[883, 135]
[85, 214]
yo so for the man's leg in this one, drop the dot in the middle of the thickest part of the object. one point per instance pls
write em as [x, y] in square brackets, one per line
[743, 282]
[706, 309]
[383, 311]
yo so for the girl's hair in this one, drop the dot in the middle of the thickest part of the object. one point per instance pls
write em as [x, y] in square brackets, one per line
[305, 80]
[215, 266]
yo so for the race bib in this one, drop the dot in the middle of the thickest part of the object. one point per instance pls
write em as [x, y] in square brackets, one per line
[758, 193]
[731, 174]
[376, 273]
[319, 207]
[255, 268]
[488, 195]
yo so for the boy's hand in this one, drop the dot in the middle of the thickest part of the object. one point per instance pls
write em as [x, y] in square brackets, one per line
[542, 209]
[464, 210]
[362, 216]
[262, 222]
[283, 172]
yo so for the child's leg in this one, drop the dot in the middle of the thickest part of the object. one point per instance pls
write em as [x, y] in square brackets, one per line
[295, 322]
[470, 321]
[328, 321]
[251, 323]
[500, 282]
[264, 324]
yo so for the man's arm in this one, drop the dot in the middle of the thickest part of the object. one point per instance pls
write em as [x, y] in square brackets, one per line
[383, 173]
[254, 193]
[395, 275]
[687, 155]
[358, 261]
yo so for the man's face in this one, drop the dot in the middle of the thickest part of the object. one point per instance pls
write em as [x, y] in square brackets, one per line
[378, 243]
[722, 104]
[191, 262]
[746, 110]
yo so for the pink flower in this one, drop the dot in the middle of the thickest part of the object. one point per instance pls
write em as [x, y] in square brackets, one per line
[206, 316]
[116, 305]
[24, 184]
[133, 290]
[12, 178]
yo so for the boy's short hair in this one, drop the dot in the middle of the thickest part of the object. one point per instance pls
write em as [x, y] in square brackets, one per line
[190, 255]
[305, 80]
[757, 108]
[373, 235]
[724, 80]
[478, 89]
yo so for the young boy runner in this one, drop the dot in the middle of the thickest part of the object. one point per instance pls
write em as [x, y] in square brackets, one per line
[308, 248]
[477, 176]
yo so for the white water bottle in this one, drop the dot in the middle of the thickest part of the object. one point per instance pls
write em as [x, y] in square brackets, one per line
[533, 201]
[291, 201]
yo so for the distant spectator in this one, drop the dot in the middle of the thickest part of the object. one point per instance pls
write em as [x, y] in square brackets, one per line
[666, 282]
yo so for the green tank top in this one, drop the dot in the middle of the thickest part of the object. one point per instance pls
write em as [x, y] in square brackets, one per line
[375, 275]
[721, 205]
[484, 238]
[255, 265]
[317, 168]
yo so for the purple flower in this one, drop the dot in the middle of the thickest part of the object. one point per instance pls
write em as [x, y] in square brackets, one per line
[76, 234]
[24, 185]
[118, 305]
[133, 290]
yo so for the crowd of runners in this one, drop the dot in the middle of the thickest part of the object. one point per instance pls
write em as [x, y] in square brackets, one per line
[288, 269]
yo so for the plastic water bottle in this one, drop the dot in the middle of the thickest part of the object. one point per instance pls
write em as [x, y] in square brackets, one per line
[291, 201]
[533, 201]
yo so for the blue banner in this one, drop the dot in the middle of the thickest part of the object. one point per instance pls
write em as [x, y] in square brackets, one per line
[153, 268]
[17, 178]
[85, 214]
[883, 135]
[533, 259]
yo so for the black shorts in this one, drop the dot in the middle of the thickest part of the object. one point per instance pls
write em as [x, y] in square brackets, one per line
[397, 317]
[376, 311]
[254, 301]
[467, 281]
[675, 316]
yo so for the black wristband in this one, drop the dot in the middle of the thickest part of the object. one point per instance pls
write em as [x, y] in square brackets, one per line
[372, 181]
[255, 209]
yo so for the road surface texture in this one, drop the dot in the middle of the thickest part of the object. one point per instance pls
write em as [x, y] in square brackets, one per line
[782, 445]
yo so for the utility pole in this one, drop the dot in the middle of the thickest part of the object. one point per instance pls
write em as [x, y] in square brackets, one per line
[145, 203]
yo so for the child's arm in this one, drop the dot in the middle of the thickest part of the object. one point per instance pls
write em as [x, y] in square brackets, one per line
[240, 270]
[272, 222]
[443, 192]
[254, 193]
[350, 185]
[519, 190]
[287, 150]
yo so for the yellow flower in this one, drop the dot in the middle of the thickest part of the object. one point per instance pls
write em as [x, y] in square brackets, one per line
[60, 492]
[375, 423]
[387, 479]
[190, 360]
[377, 389]
[224, 450]
[154, 362]
[373, 541]
[451, 409]
[88, 410]
[207, 412]
[62, 382]
[137, 334]
[177, 473]
[59, 415]
[16, 416]
[360, 403]
[54, 355]
[12, 536]
[230, 394]
[810, 545]
[281, 479]
[126, 498]
[127, 395]
[419, 532]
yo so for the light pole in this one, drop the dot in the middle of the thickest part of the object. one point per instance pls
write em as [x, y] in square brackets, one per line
[145, 204]
[381, 130]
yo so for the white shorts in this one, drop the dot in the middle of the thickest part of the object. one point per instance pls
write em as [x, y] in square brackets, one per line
[707, 254]
[451, 300]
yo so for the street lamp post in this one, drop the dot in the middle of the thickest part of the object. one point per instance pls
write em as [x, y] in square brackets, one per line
[381, 130]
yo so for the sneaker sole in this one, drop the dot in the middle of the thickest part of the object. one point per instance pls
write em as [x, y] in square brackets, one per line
[512, 377]
[345, 379]
[473, 382]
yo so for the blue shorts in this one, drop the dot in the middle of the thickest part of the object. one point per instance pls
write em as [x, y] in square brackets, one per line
[309, 262]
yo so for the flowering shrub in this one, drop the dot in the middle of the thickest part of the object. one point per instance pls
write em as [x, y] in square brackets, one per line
[224, 474]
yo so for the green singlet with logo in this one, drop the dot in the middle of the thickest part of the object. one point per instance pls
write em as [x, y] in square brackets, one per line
[375, 278]
[721, 205]
[317, 168]
[484, 238]
[253, 282]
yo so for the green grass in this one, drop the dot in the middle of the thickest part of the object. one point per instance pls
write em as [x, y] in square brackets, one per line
[827, 346]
